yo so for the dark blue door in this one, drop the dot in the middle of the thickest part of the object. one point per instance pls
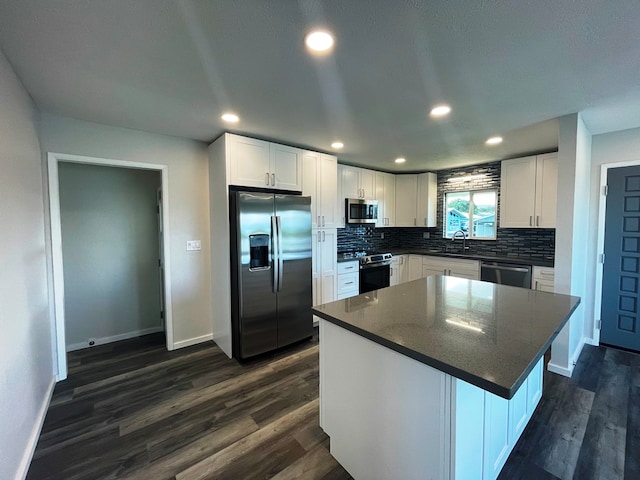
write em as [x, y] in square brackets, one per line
[621, 273]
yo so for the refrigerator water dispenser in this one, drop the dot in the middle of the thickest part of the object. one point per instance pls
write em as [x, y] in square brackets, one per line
[259, 251]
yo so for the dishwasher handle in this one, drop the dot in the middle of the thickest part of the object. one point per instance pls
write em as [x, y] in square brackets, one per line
[508, 268]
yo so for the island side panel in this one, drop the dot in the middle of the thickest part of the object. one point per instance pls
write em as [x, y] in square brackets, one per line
[387, 415]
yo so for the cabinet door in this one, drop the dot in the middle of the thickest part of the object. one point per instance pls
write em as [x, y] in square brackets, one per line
[518, 415]
[546, 190]
[496, 434]
[534, 387]
[286, 167]
[329, 263]
[403, 270]
[328, 190]
[349, 180]
[427, 199]
[367, 183]
[249, 162]
[386, 197]
[316, 279]
[340, 199]
[518, 193]
[310, 183]
[406, 200]
[415, 267]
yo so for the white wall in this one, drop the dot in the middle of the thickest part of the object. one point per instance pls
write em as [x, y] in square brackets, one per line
[608, 148]
[188, 205]
[110, 247]
[574, 166]
[26, 366]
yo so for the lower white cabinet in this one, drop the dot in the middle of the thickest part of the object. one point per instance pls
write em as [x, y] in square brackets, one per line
[543, 279]
[414, 267]
[398, 270]
[453, 267]
[324, 262]
[348, 279]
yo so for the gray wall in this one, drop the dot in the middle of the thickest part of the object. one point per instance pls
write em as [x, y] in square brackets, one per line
[110, 252]
[187, 199]
[26, 360]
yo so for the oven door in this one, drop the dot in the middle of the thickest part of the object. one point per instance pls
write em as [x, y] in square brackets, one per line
[374, 277]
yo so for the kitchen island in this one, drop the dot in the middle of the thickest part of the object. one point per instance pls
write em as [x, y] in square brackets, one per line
[435, 378]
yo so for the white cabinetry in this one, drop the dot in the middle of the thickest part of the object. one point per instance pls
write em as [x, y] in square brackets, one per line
[454, 267]
[414, 267]
[543, 279]
[320, 180]
[324, 262]
[416, 200]
[528, 192]
[256, 163]
[427, 199]
[386, 197]
[398, 270]
[348, 279]
[357, 182]
[406, 200]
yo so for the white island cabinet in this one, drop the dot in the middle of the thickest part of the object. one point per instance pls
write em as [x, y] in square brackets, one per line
[434, 379]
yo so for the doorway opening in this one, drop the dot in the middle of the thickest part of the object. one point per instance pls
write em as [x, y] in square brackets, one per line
[109, 229]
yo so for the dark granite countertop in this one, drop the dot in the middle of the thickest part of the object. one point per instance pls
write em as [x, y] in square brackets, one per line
[522, 259]
[486, 334]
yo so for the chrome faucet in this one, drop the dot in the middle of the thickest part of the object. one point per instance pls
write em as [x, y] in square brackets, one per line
[464, 238]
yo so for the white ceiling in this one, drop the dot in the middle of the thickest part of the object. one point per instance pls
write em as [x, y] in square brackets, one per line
[508, 67]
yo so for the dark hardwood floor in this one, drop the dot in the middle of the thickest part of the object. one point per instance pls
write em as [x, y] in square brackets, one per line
[133, 410]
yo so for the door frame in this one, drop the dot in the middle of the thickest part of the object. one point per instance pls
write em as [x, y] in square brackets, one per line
[602, 210]
[53, 159]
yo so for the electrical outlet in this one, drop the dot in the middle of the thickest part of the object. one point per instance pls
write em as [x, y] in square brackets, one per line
[382, 235]
[193, 245]
[426, 235]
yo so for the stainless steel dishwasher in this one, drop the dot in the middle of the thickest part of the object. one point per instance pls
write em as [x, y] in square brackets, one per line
[516, 275]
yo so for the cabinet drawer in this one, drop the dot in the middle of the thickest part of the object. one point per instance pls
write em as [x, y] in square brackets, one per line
[348, 282]
[348, 267]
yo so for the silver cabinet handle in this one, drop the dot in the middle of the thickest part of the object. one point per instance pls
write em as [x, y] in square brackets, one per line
[323, 237]
[391, 273]
[414, 222]
[537, 220]
[318, 220]
[266, 178]
[323, 221]
[536, 287]
[273, 179]
[348, 268]
[348, 283]
[444, 271]
[319, 237]
[531, 220]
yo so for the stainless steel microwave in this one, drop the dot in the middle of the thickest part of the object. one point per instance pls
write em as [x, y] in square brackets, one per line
[359, 210]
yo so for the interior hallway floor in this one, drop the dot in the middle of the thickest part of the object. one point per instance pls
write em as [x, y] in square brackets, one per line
[131, 409]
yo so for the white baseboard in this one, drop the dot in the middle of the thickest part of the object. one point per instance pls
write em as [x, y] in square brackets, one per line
[567, 372]
[114, 338]
[192, 341]
[35, 433]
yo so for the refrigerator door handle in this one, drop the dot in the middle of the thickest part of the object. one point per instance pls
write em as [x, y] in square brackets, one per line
[280, 259]
[275, 249]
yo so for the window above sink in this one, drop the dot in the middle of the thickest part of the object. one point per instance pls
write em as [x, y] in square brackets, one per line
[472, 212]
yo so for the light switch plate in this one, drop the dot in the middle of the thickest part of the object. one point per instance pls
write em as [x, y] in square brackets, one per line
[426, 235]
[193, 245]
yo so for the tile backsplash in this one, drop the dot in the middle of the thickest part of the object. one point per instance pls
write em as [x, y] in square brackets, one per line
[524, 242]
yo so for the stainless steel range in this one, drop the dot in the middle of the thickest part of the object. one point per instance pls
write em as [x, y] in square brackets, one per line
[375, 269]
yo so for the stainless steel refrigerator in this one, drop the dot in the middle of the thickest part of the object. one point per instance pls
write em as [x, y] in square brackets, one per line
[270, 271]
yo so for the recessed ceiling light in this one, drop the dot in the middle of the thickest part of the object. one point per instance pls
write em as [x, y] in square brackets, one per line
[400, 160]
[230, 117]
[440, 111]
[319, 41]
[494, 141]
[337, 145]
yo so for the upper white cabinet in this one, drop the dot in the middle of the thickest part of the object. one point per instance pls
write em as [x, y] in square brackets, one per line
[320, 182]
[416, 200]
[386, 197]
[528, 192]
[427, 199]
[357, 182]
[406, 200]
[256, 163]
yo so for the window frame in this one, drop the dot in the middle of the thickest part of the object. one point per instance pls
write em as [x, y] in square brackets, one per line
[469, 234]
